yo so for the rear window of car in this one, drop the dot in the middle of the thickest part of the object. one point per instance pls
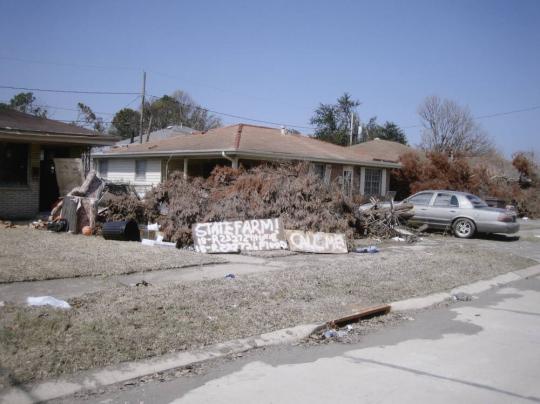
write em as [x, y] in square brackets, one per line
[476, 201]
[421, 199]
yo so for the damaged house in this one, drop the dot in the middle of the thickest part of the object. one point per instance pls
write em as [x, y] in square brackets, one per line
[360, 170]
[28, 147]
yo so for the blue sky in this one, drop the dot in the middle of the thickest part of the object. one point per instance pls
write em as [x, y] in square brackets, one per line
[277, 60]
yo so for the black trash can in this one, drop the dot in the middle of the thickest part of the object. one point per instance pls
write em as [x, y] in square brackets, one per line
[123, 231]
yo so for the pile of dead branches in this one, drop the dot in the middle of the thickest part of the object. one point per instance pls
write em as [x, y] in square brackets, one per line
[384, 220]
[288, 191]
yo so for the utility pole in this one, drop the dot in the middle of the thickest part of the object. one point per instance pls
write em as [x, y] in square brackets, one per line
[352, 126]
[141, 129]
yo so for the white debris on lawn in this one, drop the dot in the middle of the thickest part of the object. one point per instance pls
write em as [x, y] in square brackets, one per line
[47, 301]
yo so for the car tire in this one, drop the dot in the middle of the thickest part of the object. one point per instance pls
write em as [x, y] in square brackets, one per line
[463, 228]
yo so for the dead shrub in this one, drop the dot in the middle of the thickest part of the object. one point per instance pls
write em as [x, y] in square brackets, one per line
[284, 190]
[125, 207]
[438, 171]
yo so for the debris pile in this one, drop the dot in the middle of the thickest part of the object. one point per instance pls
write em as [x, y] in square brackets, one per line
[94, 202]
[288, 191]
[385, 220]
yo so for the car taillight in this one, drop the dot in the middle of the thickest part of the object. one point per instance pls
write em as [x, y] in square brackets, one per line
[504, 217]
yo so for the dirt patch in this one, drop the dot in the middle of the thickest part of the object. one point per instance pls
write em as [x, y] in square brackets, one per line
[27, 254]
[134, 323]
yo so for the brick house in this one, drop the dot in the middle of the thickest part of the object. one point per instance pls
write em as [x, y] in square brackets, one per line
[28, 145]
[147, 164]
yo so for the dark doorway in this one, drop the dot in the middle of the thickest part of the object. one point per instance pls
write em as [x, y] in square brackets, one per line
[48, 187]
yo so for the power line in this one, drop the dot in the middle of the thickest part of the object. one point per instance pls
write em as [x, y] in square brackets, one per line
[68, 91]
[507, 113]
[241, 117]
[494, 115]
[78, 65]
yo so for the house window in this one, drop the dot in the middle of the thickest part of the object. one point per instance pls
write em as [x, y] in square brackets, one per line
[103, 168]
[318, 170]
[140, 170]
[373, 182]
[13, 164]
[328, 174]
[347, 181]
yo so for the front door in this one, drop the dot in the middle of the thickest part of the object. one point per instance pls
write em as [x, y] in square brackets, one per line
[48, 187]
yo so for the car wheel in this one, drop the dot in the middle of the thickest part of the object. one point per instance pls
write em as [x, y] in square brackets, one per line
[464, 228]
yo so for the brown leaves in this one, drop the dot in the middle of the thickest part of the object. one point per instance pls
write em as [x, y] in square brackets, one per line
[284, 190]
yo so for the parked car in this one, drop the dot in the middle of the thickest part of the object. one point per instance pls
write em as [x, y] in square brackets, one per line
[464, 213]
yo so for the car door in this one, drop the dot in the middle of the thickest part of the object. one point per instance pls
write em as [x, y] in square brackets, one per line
[421, 202]
[443, 209]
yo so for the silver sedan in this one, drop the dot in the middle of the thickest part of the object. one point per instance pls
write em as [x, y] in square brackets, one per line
[464, 213]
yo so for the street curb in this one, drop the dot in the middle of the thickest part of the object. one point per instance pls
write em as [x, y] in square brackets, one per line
[131, 370]
[423, 302]
[94, 379]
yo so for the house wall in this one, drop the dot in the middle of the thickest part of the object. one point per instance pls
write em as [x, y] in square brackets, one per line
[123, 171]
[22, 202]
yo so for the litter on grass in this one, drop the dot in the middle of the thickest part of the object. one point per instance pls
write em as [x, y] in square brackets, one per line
[47, 301]
[230, 276]
[370, 250]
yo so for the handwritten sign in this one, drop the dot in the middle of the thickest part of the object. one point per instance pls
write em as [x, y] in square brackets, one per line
[322, 243]
[239, 235]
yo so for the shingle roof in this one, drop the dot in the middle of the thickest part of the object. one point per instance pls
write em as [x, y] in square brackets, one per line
[14, 120]
[171, 131]
[382, 150]
[249, 140]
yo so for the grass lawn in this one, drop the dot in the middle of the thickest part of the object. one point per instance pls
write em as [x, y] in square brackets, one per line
[130, 323]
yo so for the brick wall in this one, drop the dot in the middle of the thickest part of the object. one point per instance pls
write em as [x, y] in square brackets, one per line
[23, 202]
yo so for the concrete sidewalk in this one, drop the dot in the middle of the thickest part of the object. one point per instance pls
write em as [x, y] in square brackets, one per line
[66, 288]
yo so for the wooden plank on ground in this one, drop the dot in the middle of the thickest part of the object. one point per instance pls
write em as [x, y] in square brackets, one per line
[363, 314]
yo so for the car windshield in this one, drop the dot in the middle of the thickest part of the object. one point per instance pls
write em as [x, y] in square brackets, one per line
[476, 201]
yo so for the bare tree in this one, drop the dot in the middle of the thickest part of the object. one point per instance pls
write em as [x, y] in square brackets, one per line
[450, 128]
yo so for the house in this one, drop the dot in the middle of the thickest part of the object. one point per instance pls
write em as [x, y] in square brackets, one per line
[145, 165]
[386, 151]
[169, 131]
[28, 145]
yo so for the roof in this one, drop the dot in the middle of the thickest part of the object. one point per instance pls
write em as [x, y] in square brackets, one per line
[245, 140]
[18, 126]
[170, 131]
[382, 150]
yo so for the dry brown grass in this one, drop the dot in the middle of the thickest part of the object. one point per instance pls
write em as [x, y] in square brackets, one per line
[27, 254]
[138, 322]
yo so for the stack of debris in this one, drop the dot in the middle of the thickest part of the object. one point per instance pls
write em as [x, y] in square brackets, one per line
[286, 191]
[385, 220]
[87, 205]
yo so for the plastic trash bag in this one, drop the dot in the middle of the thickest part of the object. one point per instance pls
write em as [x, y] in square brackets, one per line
[47, 301]
[371, 249]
